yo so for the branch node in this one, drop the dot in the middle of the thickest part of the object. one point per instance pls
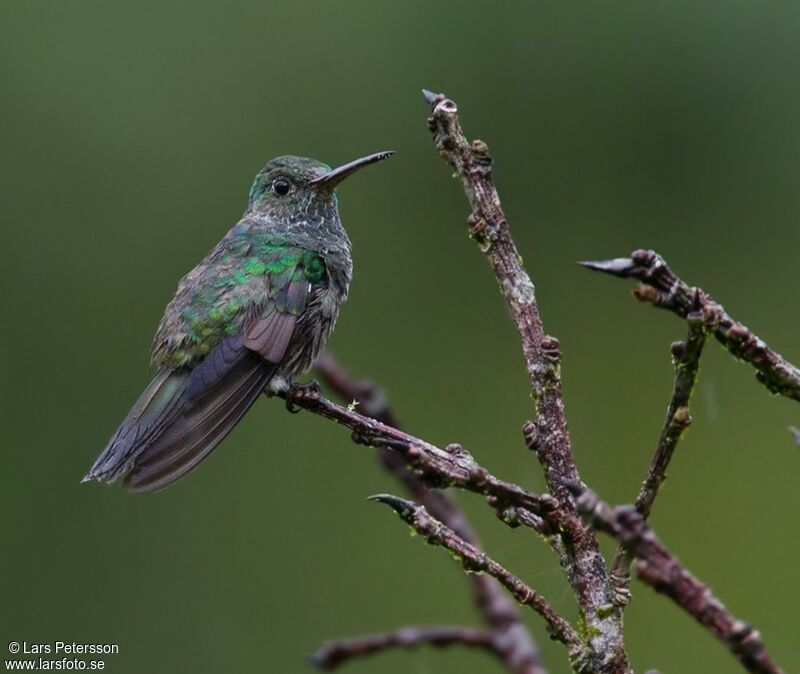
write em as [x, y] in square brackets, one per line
[458, 451]
[413, 454]
[660, 569]
[681, 418]
[480, 149]
[509, 516]
[510, 639]
[662, 288]
[479, 477]
[475, 560]
[530, 431]
[548, 503]
[620, 583]
[551, 349]
[649, 294]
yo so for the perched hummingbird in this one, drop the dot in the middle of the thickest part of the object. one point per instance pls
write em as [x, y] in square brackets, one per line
[249, 318]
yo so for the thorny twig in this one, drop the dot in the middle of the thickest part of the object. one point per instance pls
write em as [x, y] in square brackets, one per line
[511, 641]
[660, 569]
[475, 560]
[441, 472]
[449, 467]
[686, 360]
[662, 288]
[334, 653]
[548, 435]
[596, 648]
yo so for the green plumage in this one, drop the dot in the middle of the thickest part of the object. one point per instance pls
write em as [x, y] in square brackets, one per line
[243, 272]
[252, 315]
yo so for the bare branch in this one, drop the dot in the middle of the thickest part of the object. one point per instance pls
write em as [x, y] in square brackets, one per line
[335, 653]
[686, 360]
[450, 467]
[489, 229]
[372, 402]
[476, 561]
[662, 288]
[660, 569]
[569, 517]
[512, 641]
[584, 565]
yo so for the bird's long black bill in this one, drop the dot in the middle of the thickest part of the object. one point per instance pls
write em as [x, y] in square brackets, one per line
[335, 176]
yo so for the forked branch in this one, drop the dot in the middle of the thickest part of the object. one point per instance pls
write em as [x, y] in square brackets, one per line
[663, 571]
[548, 434]
[569, 516]
[476, 561]
[507, 635]
[662, 288]
[686, 360]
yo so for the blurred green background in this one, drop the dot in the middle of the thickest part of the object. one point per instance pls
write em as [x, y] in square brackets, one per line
[131, 132]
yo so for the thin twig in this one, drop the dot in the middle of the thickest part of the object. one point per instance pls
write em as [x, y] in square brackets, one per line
[475, 560]
[686, 360]
[332, 654]
[450, 467]
[660, 569]
[512, 641]
[569, 517]
[585, 567]
[662, 288]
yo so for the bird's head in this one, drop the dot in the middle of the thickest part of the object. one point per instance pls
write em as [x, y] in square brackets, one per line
[298, 186]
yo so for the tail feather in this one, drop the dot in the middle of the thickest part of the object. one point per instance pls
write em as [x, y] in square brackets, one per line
[155, 409]
[181, 418]
[195, 434]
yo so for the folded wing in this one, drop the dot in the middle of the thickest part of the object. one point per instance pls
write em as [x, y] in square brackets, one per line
[184, 414]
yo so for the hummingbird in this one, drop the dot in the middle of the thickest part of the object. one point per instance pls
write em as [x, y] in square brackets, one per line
[249, 319]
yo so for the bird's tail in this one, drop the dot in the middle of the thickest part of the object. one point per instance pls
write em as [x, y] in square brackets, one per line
[160, 403]
[181, 417]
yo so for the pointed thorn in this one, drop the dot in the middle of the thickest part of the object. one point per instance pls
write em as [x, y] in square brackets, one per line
[430, 97]
[620, 266]
[400, 505]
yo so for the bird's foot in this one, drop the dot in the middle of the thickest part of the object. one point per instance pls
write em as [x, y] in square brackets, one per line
[298, 392]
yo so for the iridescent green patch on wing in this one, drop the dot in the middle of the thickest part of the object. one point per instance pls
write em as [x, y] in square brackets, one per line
[312, 266]
[254, 266]
[267, 277]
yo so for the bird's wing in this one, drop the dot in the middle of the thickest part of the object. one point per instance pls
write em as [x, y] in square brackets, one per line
[222, 387]
[269, 335]
[159, 405]
[218, 394]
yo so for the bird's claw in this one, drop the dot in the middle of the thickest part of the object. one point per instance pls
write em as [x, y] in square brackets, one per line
[299, 392]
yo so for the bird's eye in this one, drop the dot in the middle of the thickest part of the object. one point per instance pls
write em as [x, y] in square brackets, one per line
[281, 186]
